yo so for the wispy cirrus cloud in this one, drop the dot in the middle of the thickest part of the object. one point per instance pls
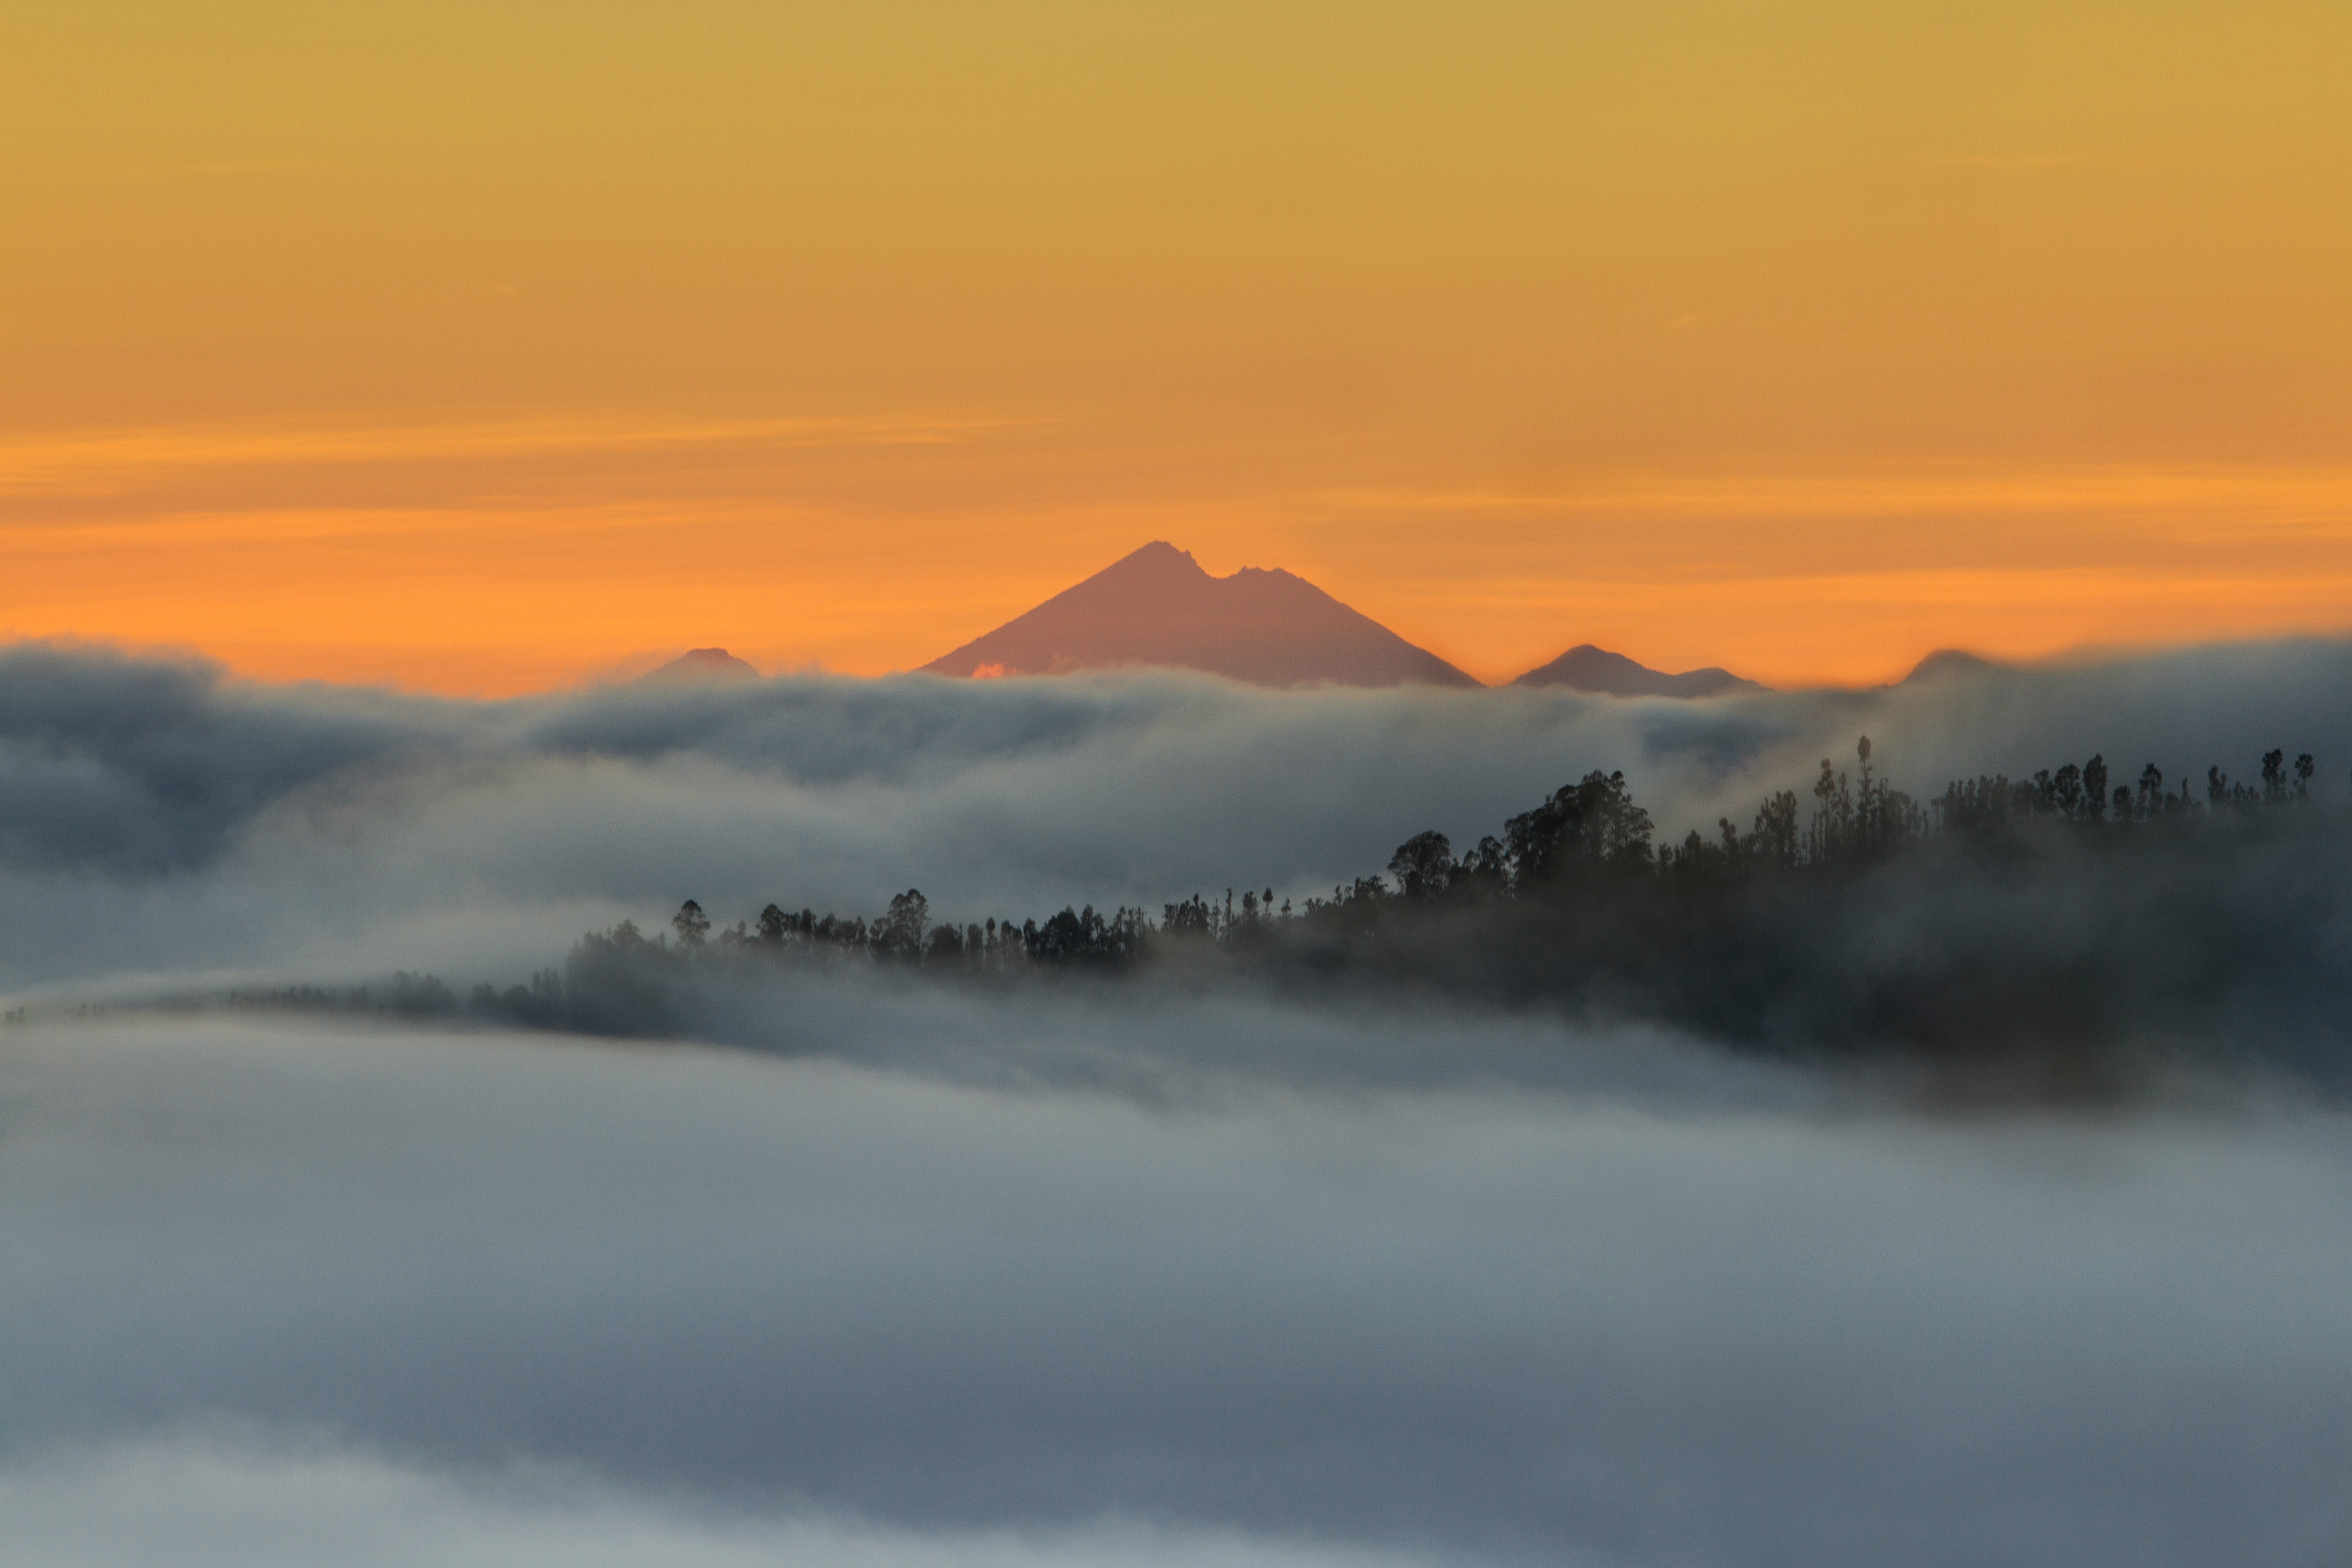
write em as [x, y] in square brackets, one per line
[80, 460]
[2031, 162]
[2314, 502]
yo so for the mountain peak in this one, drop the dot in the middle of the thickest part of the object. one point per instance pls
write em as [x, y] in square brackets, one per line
[702, 664]
[1585, 668]
[1157, 607]
[1159, 552]
[1946, 663]
[1158, 563]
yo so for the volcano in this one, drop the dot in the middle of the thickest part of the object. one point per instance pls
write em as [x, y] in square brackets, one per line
[1158, 607]
[701, 664]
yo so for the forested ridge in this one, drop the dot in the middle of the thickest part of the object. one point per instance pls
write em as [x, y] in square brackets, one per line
[2067, 911]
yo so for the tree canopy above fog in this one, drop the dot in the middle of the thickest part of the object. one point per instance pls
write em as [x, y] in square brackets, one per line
[2057, 919]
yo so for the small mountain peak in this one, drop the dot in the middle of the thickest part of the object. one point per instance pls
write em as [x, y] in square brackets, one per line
[1159, 556]
[1586, 668]
[1947, 663]
[702, 664]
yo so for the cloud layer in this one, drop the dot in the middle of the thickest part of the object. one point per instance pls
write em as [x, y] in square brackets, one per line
[1672, 1319]
[1164, 1275]
[158, 819]
[195, 1503]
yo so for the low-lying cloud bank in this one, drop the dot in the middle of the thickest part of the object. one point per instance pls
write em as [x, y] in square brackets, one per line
[202, 1503]
[158, 819]
[478, 1297]
[1172, 1274]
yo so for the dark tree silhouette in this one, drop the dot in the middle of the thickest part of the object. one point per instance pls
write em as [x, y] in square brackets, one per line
[1589, 826]
[898, 934]
[1423, 866]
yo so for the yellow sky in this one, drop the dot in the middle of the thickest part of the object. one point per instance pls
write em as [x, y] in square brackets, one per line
[486, 346]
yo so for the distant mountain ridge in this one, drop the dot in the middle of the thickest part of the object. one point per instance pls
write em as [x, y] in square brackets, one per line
[1158, 607]
[1585, 668]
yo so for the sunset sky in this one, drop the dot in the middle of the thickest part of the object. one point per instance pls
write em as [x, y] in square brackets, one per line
[485, 347]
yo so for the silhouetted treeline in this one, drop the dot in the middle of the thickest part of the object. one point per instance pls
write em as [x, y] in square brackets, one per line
[404, 996]
[2062, 914]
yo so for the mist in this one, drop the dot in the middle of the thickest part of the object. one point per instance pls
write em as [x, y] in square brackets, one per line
[158, 819]
[295, 1505]
[1662, 1314]
[837, 1263]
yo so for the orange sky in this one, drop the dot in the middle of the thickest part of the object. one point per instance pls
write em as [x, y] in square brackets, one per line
[488, 346]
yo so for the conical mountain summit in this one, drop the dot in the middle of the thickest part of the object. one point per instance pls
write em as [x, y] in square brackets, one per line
[701, 664]
[1157, 607]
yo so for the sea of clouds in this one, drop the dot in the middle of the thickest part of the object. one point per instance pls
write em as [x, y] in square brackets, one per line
[478, 1296]
[1165, 1275]
[158, 819]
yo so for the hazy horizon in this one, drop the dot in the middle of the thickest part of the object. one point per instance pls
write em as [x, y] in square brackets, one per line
[628, 667]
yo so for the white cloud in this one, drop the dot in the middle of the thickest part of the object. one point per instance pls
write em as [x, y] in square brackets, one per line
[207, 1503]
[1576, 1322]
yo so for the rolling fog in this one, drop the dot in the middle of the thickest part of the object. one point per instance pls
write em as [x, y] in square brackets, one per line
[730, 1298]
[158, 820]
[1149, 1276]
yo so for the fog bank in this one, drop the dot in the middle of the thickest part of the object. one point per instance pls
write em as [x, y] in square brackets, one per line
[203, 1503]
[158, 819]
[1669, 1319]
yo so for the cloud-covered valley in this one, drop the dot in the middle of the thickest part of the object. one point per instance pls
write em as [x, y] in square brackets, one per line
[726, 1297]
[1169, 1273]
